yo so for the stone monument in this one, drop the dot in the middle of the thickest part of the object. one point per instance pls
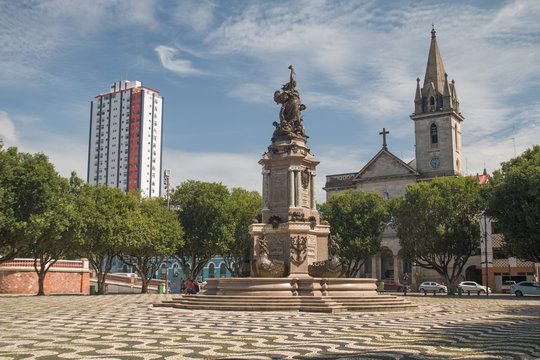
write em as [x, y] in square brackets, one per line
[295, 265]
[290, 233]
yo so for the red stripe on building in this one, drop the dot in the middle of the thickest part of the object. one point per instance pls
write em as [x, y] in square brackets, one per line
[134, 141]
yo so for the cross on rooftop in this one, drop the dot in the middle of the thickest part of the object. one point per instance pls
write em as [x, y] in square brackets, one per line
[383, 133]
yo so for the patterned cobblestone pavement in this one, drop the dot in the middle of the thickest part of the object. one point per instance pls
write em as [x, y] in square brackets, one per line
[129, 327]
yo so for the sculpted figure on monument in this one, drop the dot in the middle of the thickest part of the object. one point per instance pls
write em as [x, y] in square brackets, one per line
[290, 120]
[305, 178]
[263, 267]
[297, 216]
[334, 267]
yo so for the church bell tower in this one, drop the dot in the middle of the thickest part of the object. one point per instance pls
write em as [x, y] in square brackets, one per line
[437, 120]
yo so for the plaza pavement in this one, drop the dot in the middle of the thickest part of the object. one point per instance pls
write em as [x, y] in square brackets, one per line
[129, 327]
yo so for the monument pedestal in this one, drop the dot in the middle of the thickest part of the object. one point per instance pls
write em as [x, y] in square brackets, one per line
[291, 287]
[290, 294]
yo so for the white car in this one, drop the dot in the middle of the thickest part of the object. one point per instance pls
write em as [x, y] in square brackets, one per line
[505, 287]
[430, 286]
[525, 288]
[471, 286]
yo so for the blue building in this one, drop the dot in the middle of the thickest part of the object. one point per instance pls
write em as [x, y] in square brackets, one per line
[215, 268]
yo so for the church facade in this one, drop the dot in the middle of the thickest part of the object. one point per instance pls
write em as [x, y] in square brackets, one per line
[437, 128]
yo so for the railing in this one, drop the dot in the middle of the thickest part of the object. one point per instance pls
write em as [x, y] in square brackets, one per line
[130, 278]
[25, 264]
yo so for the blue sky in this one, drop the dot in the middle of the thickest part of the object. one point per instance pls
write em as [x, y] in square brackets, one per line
[218, 63]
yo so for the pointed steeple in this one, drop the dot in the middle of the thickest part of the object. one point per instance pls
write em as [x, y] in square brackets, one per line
[436, 114]
[435, 68]
[437, 94]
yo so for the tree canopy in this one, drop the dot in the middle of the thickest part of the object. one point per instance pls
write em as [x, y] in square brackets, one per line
[204, 210]
[513, 200]
[39, 216]
[437, 224]
[10, 160]
[150, 234]
[244, 206]
[103, 210]
[357, 220]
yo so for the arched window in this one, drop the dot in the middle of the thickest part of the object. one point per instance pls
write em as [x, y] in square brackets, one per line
[433, 132]
[432, 103]
[222, 270]
[211, 270]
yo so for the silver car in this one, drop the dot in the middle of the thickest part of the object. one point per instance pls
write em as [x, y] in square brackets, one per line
[525, 288]
[430, 286]
[471, 286]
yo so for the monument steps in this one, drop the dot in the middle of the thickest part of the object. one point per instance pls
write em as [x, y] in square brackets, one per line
[327, 304]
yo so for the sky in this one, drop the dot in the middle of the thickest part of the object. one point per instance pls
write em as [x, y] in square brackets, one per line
[218, 63]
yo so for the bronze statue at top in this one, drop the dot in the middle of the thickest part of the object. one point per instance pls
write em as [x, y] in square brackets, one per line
[290, 120]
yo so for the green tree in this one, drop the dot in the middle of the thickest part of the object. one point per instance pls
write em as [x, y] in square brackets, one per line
[205, 215]
[46, 224]
[437, 224]
[10, 160]
[513, 200]
[151, 233]
[245, 205]
[103, 209]
[357, 220]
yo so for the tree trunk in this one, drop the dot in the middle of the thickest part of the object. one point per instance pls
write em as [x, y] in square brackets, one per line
[101, 283]
[41, 279]
[450, 285]
[41, 272]
[144, 285]
[144, 288]
[142, 268]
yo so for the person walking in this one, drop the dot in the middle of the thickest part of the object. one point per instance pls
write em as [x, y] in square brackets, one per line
[381, 287]
[405, 284]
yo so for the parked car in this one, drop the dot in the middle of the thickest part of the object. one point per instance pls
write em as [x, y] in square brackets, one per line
[505, 287]
[430, 286]
[391, 285]
[471, 286]
[525, 288]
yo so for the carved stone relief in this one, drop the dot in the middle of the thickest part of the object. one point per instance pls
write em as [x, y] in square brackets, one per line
[298, 249]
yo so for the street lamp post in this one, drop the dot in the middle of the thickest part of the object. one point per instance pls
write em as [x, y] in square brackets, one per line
[167, 175]
[486, 253]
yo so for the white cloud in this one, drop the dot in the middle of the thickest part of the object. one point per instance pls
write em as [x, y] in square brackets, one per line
[7, 129]
[198, 15]
[27, 118]
[232, 170]
[35, 34]
[254, 93]
[179, 66]
[365, 60]
[67, 153]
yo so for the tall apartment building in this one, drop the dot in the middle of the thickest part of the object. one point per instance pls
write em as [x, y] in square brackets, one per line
[125, 139]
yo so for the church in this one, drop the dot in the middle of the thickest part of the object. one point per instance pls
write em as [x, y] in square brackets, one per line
[437, 130]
